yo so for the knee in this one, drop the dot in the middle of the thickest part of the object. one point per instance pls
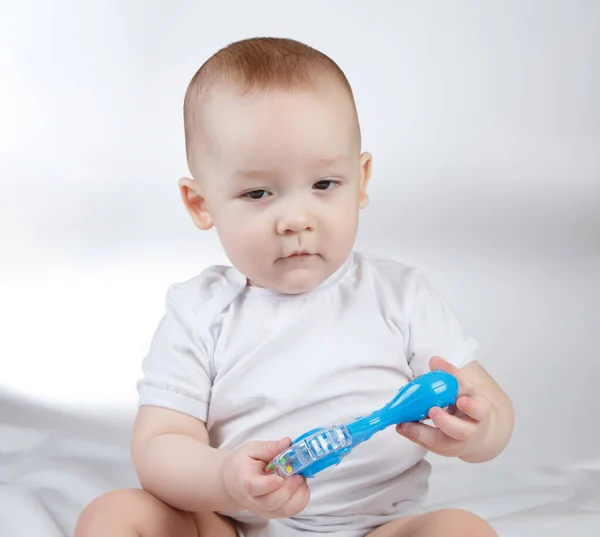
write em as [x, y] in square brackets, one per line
[464, 522]
[94, 518]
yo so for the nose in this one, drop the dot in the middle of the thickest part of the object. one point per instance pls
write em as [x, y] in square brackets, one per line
[295, 220]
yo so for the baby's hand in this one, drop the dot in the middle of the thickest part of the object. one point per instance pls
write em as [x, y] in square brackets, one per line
[268, 496]
[461, 428]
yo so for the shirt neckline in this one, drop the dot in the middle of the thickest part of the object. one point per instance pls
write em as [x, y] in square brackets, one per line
[263, 292]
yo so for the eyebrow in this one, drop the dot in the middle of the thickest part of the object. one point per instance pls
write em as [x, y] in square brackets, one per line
[323, 162]
[332, 161]
[240, 175]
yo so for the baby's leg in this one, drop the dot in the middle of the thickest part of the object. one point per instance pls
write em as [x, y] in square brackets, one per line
[136, 513]
[442, 523]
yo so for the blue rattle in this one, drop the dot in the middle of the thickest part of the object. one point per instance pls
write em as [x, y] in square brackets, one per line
[321, 448]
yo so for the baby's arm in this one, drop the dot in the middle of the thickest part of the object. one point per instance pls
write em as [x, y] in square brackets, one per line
[477, 428]
[175, 463]
[482, 393]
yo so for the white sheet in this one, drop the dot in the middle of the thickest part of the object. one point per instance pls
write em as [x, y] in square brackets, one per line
[54, 462]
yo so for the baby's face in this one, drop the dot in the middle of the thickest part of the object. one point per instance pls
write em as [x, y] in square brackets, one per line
[283, 180]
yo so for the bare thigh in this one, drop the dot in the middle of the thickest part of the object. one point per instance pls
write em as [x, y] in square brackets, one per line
[136, 513]
[441, 523]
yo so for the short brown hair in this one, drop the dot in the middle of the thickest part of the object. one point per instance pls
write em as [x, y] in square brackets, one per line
[260, 63]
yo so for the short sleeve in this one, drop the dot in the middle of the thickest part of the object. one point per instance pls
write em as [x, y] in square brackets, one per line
[434, 330]
[177, 369]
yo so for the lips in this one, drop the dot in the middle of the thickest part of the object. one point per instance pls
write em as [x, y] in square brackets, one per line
[299, 254]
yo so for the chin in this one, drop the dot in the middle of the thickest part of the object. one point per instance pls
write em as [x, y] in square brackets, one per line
[298, 285]
[296, 290]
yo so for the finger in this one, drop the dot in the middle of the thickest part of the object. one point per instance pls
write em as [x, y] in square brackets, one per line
[258, 485]
[436, 363]
[474, 406]
[431, 438]
[453, 426]
[453, 409]
[278, 498]
[297, 502]
[266, 451]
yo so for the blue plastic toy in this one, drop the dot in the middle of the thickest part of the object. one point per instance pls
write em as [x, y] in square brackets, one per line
[321, 448]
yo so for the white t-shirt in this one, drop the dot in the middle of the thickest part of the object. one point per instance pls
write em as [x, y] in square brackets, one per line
[258, 365]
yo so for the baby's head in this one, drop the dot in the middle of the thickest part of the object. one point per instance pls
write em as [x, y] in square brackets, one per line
[273, 145]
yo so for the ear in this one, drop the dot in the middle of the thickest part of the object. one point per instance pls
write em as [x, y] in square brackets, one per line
[365, 175]
[195, 203]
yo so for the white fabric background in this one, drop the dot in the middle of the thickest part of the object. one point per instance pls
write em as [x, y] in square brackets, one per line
[484, 122]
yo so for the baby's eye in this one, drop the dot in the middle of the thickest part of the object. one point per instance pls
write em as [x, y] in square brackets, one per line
[325, 184]
[256, 194]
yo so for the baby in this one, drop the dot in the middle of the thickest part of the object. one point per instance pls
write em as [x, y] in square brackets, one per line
[302, 331]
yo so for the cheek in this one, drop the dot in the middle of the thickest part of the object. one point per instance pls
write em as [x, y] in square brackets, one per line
[241, 231]
[343, 224]
[346, 227]
[344, 217]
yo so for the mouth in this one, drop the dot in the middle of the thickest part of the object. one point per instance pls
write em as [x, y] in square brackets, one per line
[299, 254]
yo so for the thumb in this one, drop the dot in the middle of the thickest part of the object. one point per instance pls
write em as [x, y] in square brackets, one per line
[438, 363]
[267, 451]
